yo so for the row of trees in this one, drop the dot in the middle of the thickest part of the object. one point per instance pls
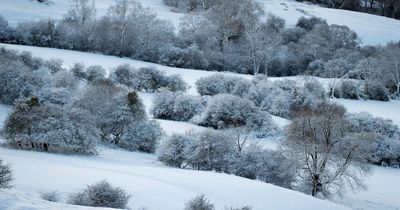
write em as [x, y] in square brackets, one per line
[61, 110]
[222, 111]
[227, 151]
[227, 36]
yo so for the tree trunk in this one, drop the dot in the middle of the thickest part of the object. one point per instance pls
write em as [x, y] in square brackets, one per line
[317, 185]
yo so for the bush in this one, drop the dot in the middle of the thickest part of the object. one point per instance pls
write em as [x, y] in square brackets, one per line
[265, 165]
[101, 194]
[200, 202]
[227, 111]
[172, 151]
[176, 106]
[376, 91]
[220, 84]
[141, 136]
[386, 149]
[48, 127]
[210, 150]
[147, 79]
[52, 196]
[310, 95]
[5, 175]
[274, 97]
[95, 73]
[348, 90]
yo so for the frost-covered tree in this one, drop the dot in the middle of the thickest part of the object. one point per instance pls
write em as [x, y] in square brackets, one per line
[141, 136]
[262, 40]
[271, 97]
[47, 127]
[95, 73]
[118, 109]
[330, 157]
[172, 150]
[225, 111]
[210, 150]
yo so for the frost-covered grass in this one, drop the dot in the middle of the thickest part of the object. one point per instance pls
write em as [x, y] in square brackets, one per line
[372, 29]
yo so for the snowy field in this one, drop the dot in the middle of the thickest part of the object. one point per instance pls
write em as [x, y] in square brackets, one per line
[156, 186]
[372, 29]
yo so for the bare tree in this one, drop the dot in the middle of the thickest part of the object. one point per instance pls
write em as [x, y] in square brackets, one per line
[329, 155]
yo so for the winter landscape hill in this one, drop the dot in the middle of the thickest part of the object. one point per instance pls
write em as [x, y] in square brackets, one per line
[153, 185]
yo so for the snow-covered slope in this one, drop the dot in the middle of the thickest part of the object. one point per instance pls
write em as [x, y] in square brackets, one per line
[371, 29]
[136, 168]
[150, 183]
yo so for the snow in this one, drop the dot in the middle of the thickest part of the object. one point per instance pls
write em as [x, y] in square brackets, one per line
[150, 183]
[372, 29]
[382, 192]
[387, 110]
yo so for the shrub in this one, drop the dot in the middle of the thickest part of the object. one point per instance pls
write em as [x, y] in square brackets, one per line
[210, 150]
[48, 127]
[386, 149]
[274, 97]
[172, 150]
[95, 73]
[310, 95]
[266, 165]
[141, 136]
[52, 196]
[147, 79]
[219, 84]
[376, 91]
[226, 111]
[200, 202]
[348, 89]
[5, 175]
[176, 106]
[101, 194]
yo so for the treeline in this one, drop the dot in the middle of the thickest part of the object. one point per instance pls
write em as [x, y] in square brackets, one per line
[227, 36]
[387, 8]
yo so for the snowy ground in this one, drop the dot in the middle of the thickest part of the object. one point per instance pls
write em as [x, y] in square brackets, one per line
[372, 30]
[388, 110]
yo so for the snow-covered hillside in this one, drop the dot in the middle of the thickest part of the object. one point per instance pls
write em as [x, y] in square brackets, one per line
[133, 169]
[372, 29]
[150, 183]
